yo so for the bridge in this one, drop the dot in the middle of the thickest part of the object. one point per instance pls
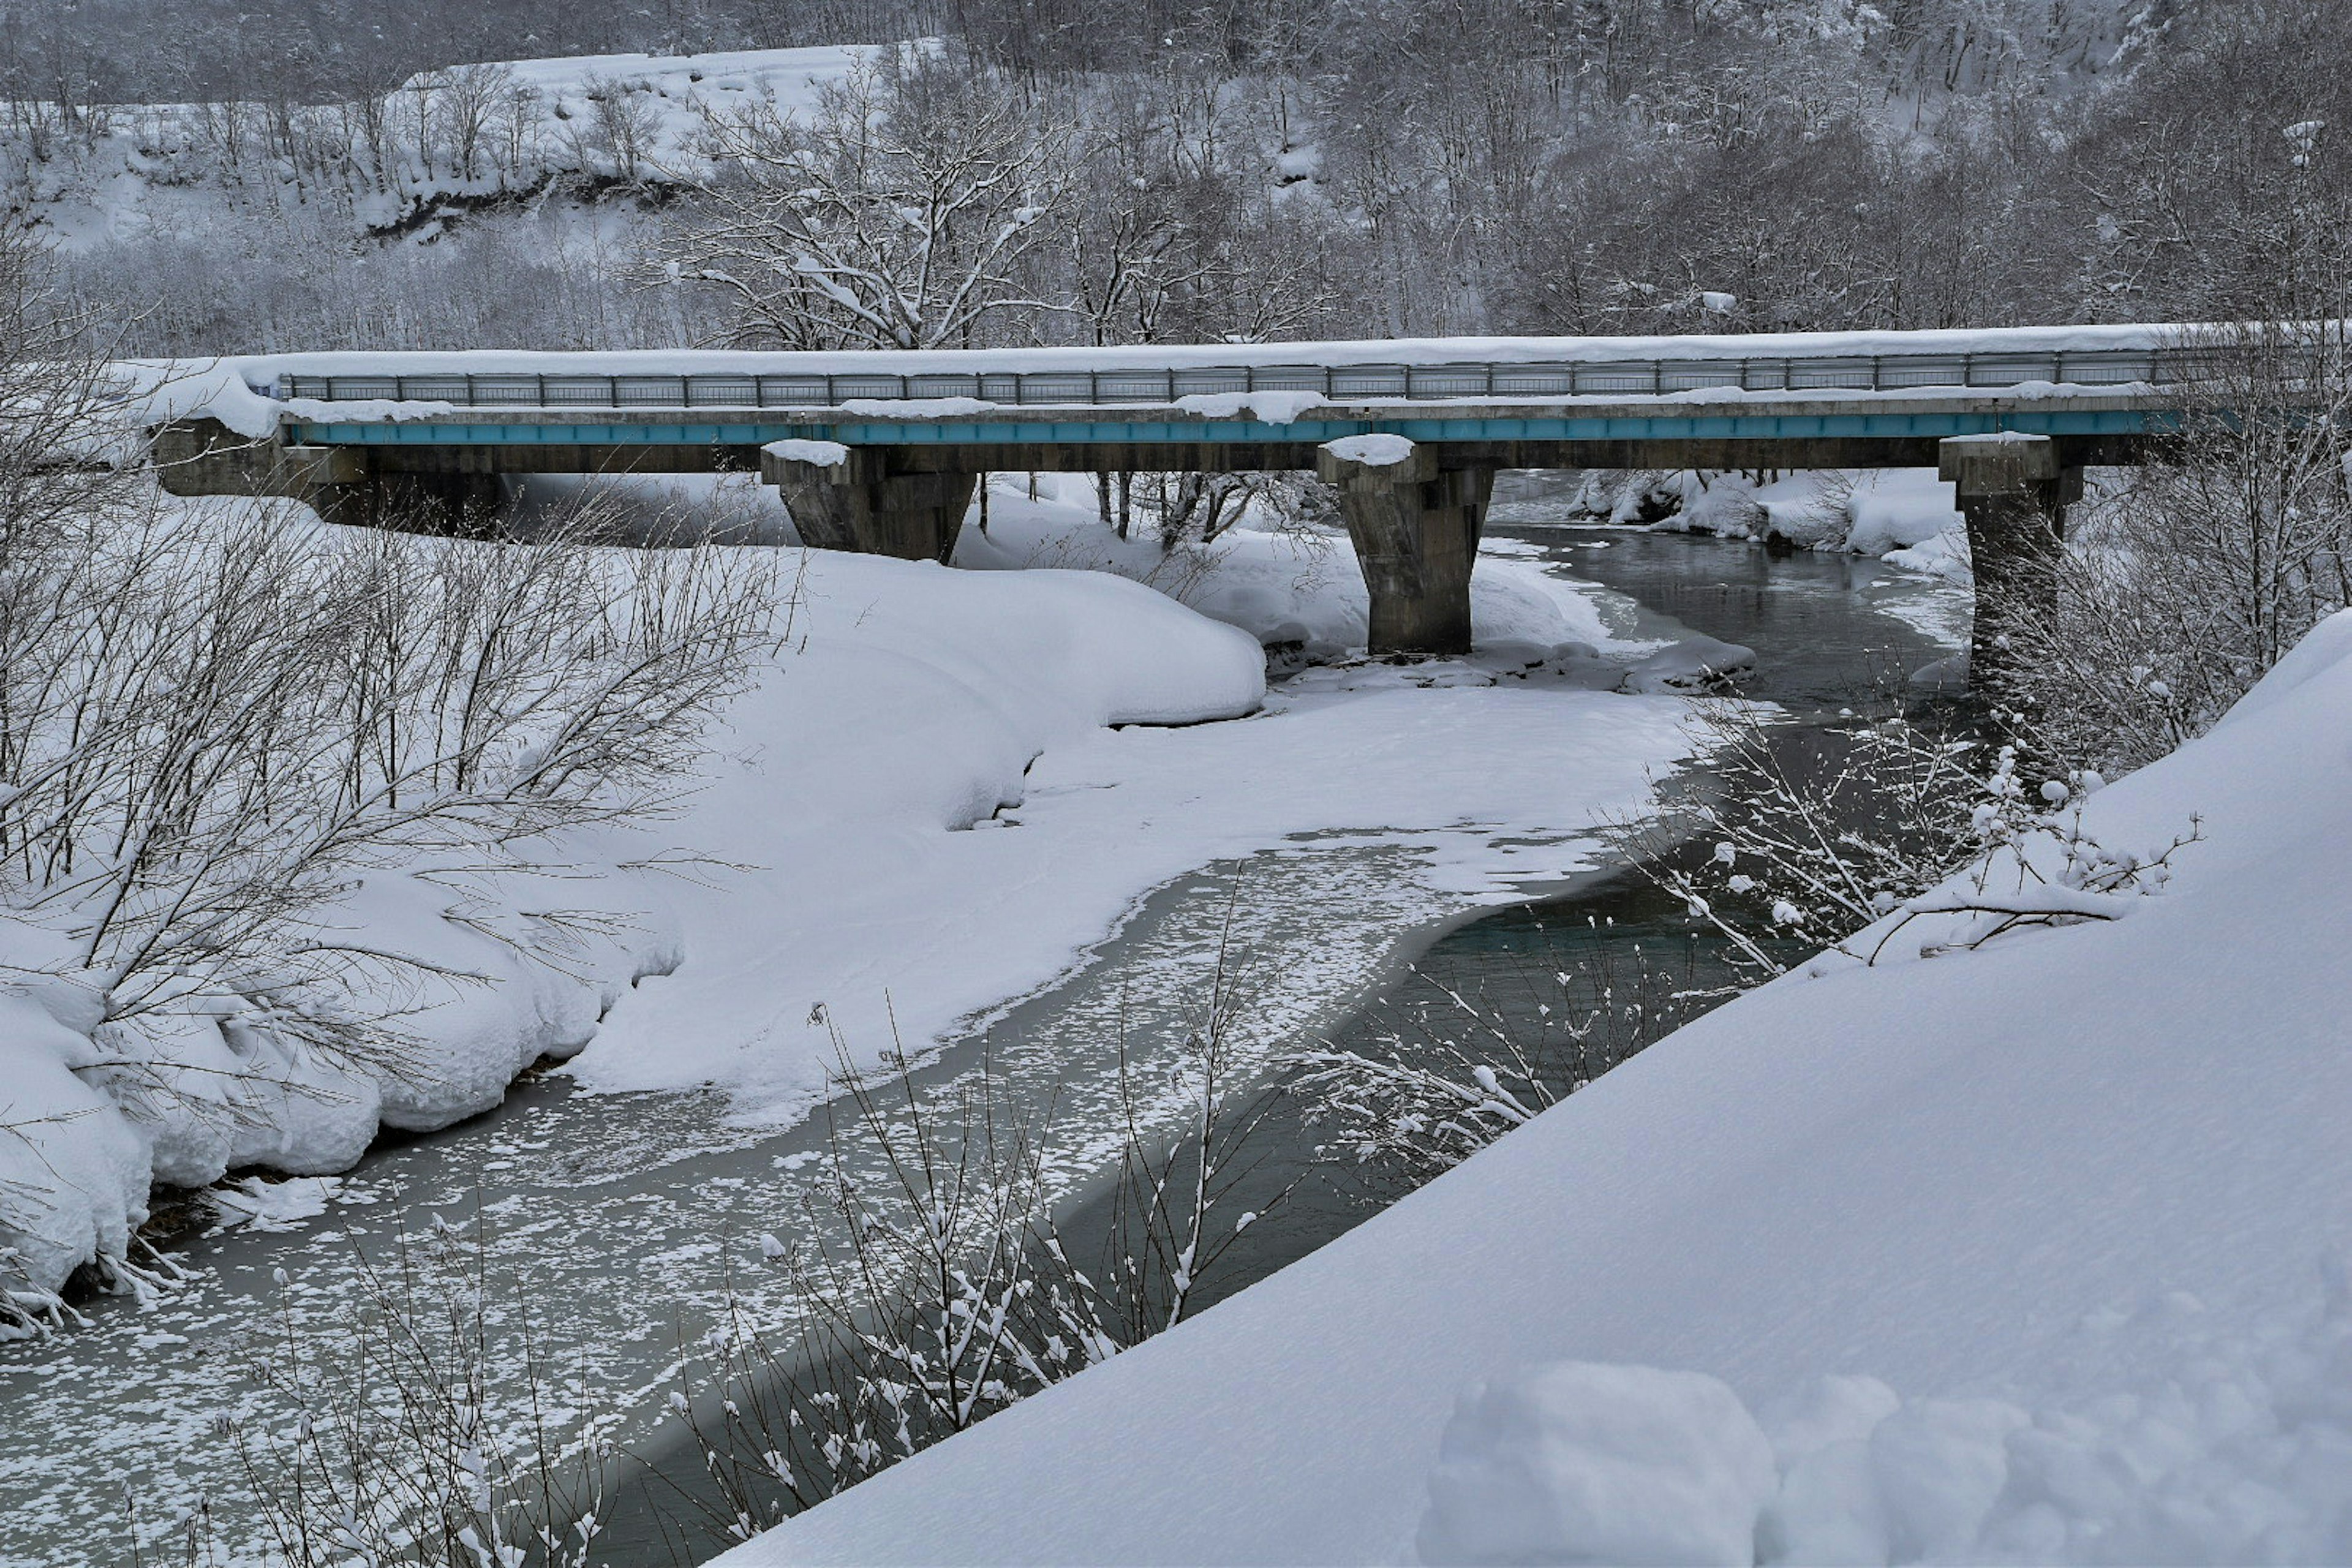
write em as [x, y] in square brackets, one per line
[881, 452]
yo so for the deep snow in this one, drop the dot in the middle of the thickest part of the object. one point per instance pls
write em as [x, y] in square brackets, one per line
[912, 712]
[948, 788]
[2032, 1253]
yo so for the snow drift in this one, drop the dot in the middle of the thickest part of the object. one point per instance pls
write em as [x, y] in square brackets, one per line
[910, 698]
[2031, 1253]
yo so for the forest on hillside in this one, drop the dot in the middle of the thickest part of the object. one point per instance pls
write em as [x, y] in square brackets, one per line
[311, 174]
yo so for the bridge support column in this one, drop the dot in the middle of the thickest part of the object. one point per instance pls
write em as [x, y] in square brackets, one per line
[2014, 491]
[205, 457]
[861, 499]
[1415, 527]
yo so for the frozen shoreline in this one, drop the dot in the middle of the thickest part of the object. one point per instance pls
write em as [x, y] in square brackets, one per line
[2031, 1253]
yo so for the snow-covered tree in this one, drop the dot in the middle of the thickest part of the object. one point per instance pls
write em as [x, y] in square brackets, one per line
[900, 215]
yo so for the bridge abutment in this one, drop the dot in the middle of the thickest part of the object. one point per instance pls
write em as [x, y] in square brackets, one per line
[1415, 526]
[863, 498]
[2013, 490]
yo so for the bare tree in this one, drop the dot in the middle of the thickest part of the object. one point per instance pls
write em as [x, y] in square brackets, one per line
[899, 215]
[2207, 564]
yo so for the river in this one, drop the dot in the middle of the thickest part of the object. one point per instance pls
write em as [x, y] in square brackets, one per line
[606, 1230]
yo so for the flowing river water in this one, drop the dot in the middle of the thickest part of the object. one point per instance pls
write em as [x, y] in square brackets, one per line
[606, 1233]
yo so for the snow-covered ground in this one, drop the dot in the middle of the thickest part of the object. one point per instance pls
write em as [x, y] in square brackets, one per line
[1907, 517]
[949, 786]
[905, 716]
[2032, 1253]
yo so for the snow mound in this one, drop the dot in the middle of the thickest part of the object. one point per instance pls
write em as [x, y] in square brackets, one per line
[1580, 1463]
[1372, 451]
[1299, 590]
[1694, 664]
[2235, 1449]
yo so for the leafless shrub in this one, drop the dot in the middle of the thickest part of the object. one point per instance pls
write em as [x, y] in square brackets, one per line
[218, 719]
[210, 725]
[1843, 843]
[940, 1289]
[2217, 555]
[1452, 1077]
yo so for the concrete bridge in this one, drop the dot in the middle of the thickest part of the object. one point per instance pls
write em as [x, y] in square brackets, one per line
[881, 452]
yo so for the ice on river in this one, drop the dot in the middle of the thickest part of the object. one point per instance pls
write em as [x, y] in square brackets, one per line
[2029, 1253]
[954, 784]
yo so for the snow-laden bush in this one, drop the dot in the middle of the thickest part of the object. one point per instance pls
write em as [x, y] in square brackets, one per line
[1846, 840]
[270, 790]
[936, 1285]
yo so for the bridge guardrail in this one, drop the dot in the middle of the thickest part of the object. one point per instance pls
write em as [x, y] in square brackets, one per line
[1472, 379]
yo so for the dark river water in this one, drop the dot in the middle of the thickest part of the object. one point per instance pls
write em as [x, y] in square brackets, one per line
[614, 1225]
[1615, 956]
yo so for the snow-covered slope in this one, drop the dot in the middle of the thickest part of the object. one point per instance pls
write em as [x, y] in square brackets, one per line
[913, 706]
[907, 704]
[2061, 1221]
[462, 134]
[829, 878]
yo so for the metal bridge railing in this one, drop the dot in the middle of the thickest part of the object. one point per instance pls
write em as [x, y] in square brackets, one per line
[1517, 379]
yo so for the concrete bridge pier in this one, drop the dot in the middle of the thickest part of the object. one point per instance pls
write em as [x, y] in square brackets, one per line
[2014, 491]
[205, 457]
[342, 484]
[1415, 526]
[867, 499]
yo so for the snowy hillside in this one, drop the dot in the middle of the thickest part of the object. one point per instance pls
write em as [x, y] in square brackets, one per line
[2034, 1253]
[437, 143]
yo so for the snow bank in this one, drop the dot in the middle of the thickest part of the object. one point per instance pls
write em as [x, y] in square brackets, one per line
[1297, 587]
[89, 1121]
[2065, 1216]
[939, 819]
[910, 703]
[1907, 517]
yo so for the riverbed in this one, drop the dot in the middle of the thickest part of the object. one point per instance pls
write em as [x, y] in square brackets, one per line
[611, 1227]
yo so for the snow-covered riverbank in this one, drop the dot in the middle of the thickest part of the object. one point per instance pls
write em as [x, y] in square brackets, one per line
[2032, 1253]
[946, 788]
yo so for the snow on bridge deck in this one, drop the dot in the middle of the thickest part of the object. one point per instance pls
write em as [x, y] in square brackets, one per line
[2064, 380]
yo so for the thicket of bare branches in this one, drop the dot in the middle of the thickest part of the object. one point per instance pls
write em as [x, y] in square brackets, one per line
[1311, 167]
[941, 1286]
[899, 215]
[2209, 562]
[218, 719]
